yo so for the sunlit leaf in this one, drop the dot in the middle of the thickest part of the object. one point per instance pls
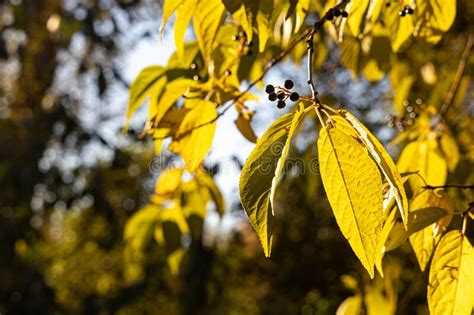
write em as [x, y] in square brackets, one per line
[169, 7]
[167, 184]
[451, 280]
[259, 176]
[144, 84]
[354, 188]
[184, 13]
[194, 137]
[400, 28]
[436, 17]
[384, 162]
[139, 229]
[350, 306]
[428, 207]
[206, 21]
[263, 23]
[243, 124]
[357, 12]
[208, 182]
[423, 157]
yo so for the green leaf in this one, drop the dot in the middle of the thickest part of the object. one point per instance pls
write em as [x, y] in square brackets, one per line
[206, 21]
[384, 162]
[451, 280]
[150, 79]
[259, 176]
[354, 189]
[194, 136]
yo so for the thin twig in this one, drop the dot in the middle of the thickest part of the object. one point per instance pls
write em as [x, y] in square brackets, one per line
[458, 76]
[310, 48]
[449, 186]
[275, 60]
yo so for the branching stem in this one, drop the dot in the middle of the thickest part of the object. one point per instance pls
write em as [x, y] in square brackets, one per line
[449, 186]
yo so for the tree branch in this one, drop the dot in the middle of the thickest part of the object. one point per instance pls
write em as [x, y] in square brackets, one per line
[450, 186]
[458, 76]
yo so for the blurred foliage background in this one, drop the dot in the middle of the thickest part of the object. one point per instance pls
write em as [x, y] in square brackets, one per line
[70, 181]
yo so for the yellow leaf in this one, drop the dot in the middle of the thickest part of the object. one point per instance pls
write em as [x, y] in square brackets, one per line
[357, 12]
[436, 17]
[243, 124]
[206, 21]
[208, 182]
[169, 7]
[139, 228]
[423, 157]
[281, 161]
[263, 23]
[451, 280]
[424, 240]
[450, 150]
[350, 306]
[260, 175]
[149, 80]
[402, 81]
[400, 28]
[354, 188]
[384, 162]
[172, 227]
[183, 16]
[171, 93]
[167, 184]
[194, 137]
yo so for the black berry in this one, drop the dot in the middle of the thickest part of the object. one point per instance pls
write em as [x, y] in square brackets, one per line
[330, 16]
[294, 96]
[227, 72]
[269, 89]
[272, 97]
[281, 104]
[344, 14]
[337, 13]
[235, 37]
[289, 84]
[401, 13]
[408, 10]
[281, 95]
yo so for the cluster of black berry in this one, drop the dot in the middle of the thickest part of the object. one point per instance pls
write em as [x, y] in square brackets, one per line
[334, 12]
[282, 94]
[411, 112]
[406, 10]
